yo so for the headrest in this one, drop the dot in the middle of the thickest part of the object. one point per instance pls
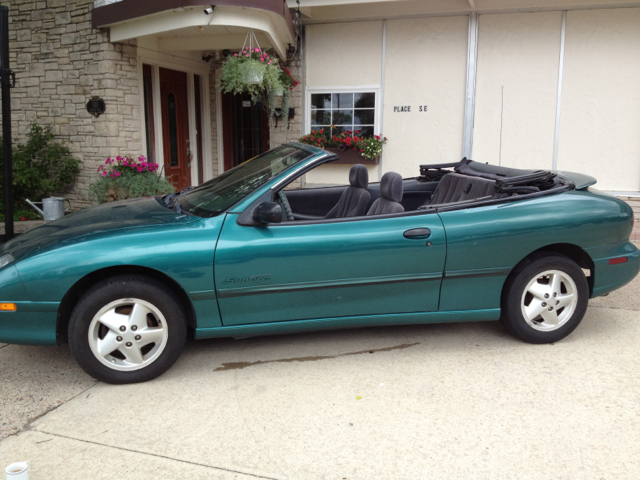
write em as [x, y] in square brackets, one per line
[391, 186]
[359, 176]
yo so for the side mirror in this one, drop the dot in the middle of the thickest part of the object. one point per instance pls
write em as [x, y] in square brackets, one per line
[268, 212]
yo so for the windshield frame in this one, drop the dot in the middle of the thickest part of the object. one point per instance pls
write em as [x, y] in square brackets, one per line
[181, 200]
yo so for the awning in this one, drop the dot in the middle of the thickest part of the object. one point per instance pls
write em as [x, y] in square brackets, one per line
[181, 25]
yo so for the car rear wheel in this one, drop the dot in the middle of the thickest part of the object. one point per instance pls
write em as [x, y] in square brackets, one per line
[545, 299]
[127, 329]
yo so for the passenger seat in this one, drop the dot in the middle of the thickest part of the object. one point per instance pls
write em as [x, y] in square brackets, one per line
[391, 188]
[457, 188]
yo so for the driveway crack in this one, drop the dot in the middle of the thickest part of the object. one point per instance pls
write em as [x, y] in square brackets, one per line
[156, 455]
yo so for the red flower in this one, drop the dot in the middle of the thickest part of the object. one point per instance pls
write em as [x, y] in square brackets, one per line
[22, 218]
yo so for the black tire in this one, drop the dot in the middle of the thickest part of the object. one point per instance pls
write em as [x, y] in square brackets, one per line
[515, 295]
[120, 288]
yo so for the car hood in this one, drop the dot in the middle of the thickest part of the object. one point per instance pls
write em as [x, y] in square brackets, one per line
[108, 217]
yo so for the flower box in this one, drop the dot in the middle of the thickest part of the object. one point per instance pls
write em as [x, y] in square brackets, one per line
[351, 157]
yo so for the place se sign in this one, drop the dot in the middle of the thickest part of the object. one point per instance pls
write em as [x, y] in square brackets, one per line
[407, 108]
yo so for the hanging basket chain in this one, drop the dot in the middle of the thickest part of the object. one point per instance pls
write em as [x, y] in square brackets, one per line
[251, 37]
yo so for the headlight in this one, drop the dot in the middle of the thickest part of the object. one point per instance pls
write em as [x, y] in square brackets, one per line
[6, 260]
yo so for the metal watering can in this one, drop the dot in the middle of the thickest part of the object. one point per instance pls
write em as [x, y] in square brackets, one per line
[53, 207]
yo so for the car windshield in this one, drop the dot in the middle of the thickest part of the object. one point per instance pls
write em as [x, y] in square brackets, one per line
[217, 195]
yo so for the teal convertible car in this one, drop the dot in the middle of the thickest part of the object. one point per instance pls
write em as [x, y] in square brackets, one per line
[245, 254]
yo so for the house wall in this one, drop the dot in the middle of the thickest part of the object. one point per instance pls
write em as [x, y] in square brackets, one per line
[516, 96]
[60, 62]
[600, 116]
[426, 64]
[342, 55]
[516, 89]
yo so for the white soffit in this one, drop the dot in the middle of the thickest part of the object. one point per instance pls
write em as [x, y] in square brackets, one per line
[323, 11]
[271, 25]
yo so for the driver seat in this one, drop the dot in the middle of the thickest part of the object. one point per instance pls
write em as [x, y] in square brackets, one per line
[353, 201]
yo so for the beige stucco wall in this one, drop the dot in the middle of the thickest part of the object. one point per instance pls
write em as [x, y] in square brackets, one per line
[516, 89]
[344, 54]
[426, 64]
[600, 118]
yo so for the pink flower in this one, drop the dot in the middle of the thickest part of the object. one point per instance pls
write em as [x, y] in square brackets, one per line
[269, 63]
[257, 50]
[247, 55]
[108, 161]
[119, 158]
[117, 173]
[104, 174]
[262, 59]
[112, 175]
[235, 54]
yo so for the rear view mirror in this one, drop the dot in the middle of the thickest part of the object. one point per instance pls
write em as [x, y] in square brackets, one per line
[268, 212]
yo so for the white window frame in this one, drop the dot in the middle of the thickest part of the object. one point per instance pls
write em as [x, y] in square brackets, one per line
[344, 89]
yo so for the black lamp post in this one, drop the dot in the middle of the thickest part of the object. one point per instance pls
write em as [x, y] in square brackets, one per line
[7, 78]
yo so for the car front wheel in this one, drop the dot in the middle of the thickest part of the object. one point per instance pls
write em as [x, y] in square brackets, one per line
[545, 299]
[127, 329]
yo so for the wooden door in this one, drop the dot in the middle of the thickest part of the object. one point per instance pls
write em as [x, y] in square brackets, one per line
[175, 127]
[245, 129]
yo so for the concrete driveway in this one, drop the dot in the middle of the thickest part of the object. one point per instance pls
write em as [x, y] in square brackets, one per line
[434, 401]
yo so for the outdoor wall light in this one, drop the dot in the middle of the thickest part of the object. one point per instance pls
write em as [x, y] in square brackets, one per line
[209, 10]
[96, 106]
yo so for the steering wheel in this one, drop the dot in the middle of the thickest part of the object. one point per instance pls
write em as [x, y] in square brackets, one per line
[285, 206]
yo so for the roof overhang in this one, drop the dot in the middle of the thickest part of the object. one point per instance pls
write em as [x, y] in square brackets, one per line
[329, 11]
[183, 25]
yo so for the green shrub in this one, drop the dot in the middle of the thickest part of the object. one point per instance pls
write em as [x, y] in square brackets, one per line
[125, 177]
[41, 168]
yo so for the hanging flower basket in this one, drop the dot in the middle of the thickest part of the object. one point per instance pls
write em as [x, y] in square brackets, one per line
[255, 72]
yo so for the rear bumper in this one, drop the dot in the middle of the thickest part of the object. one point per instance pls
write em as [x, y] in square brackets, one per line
[33, 323]
[611, 277]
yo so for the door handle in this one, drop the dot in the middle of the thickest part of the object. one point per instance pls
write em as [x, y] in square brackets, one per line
[417, 233]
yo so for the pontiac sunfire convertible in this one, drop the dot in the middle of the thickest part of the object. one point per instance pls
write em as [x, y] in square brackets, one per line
[241, 255]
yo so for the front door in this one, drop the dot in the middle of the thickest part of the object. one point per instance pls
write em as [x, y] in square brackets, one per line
[371, 266]
[175, 127]
[245, 129]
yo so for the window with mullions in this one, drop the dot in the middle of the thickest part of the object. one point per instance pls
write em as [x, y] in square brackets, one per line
[337, 113]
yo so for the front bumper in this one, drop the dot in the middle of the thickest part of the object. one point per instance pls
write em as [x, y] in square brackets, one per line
[33, 323]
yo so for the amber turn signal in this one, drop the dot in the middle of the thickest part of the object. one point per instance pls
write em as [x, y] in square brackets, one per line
[8, 307]
[615, 261]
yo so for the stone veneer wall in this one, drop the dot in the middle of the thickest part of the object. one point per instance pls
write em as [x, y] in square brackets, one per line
[60, 62]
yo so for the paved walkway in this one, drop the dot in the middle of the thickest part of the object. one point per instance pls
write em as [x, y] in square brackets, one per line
[436, 401]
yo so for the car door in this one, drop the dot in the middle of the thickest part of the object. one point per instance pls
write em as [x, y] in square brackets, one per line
[297, 271]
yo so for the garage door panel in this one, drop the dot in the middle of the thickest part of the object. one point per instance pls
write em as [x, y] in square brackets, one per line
[516, 88]
[600, 117]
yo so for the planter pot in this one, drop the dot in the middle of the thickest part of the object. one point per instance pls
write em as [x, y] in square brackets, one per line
[252, 72]
[351, 157]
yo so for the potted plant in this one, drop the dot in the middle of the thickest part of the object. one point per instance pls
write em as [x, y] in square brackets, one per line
[351, 147]
[288, 84]
[125, 177]
[255, 72]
